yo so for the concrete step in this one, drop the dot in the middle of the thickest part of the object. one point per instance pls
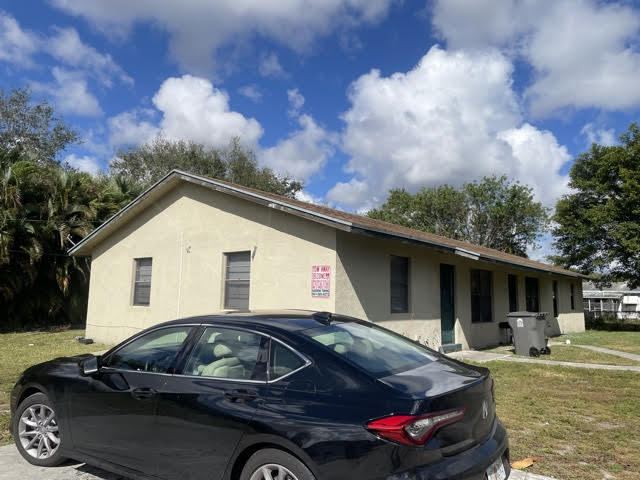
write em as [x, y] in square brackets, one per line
[450, 347]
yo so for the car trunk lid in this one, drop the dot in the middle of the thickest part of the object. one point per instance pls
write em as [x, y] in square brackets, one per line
[444, 385]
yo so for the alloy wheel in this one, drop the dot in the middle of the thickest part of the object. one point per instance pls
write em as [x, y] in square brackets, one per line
[38, 431]
[273, 471]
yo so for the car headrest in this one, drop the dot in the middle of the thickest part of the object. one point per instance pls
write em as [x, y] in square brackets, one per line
[340, 348]
[221, 350]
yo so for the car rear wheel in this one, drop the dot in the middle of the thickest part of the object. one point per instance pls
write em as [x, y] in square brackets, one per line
[273, 464]
[36, 431]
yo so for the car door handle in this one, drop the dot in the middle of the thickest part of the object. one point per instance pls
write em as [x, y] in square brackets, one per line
[241, 395]
[143, 393]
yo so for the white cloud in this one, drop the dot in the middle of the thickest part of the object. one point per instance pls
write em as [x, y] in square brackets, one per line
[270, 66]
[197, 28]
[66, 46]
[84, 163]
[603, 136]
[16, 45]
[306, 196]
[190, 108]
[133, 127]
[70, 88]
[453, 118]
[584, 53]
[354, 193]
[252, 92]
[303, 153]
[536, 159]
[296, 101]
[70, 93]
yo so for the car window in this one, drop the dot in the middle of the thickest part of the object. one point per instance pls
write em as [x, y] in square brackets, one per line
[152, 352]
[282, 360]
[229, 353]
[376, 350]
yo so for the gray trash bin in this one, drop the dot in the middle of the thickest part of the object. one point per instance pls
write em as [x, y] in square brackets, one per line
[528, 333]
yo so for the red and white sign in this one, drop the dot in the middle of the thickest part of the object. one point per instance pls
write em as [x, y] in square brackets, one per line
[320, 281]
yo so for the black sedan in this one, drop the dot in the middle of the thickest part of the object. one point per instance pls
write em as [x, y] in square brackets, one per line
[264, 396]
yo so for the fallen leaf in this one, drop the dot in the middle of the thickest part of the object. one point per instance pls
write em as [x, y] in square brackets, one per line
[525, 462]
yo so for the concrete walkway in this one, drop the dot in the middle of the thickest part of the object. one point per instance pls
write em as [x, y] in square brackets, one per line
[482, 357]
[14, 467]
[617, 353]
[521, 475]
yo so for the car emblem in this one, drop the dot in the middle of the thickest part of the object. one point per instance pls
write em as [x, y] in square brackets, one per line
[485, 410]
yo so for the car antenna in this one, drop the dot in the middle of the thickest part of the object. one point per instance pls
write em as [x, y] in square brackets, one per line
[323, 317]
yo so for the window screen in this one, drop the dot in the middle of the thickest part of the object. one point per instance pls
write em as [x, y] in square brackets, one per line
[236, 288]
[142, 282]
[399, 284]
[533, 301]
[481, 308]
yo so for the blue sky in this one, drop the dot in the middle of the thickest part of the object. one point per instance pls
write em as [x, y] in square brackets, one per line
[351, 96]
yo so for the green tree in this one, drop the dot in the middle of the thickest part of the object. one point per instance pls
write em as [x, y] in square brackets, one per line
[150, 162]
[494, 212]
[46, 210]
[598, 224]
[32, 129]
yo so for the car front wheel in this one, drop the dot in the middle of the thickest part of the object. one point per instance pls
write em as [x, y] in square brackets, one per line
[36, 431]
[270, 464]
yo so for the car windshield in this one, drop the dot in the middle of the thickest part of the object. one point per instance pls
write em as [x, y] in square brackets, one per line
[376, 350]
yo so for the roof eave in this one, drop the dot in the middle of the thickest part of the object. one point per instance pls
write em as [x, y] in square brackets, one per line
[83, 248]
[365, 230]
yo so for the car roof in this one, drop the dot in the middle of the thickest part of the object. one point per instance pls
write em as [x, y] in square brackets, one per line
[286, 320]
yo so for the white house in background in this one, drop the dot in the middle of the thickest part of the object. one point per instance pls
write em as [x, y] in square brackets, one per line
[618, 300]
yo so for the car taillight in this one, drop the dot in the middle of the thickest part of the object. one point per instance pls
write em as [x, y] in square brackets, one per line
[413, 429]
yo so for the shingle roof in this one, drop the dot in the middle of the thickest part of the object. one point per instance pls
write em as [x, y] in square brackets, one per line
[344, 220]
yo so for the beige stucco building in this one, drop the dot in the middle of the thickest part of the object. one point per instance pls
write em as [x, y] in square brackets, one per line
[191, 245]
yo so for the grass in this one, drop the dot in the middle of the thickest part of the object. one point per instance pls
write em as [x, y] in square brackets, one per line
[564, 353]
[623, 341]
[21, 350]
[584, 423]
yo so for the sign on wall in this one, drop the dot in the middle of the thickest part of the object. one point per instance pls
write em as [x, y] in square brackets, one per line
[320, 281]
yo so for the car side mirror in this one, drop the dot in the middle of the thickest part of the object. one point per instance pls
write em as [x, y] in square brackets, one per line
[90, 365]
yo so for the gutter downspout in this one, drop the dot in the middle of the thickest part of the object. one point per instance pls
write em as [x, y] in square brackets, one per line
[180, 274]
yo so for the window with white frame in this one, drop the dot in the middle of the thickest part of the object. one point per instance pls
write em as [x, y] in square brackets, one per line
[236, 280]
[142, 281]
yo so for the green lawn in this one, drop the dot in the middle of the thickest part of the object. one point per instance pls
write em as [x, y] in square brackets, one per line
[21, 350]
[565, 353]
[624, 341]
[585, 423]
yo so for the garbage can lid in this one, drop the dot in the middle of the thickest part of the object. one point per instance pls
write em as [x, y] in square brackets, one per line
[526, 314]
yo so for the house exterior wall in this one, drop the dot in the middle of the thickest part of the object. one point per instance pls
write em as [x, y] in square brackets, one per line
[362, 280]
[200, 226]
[190, 228]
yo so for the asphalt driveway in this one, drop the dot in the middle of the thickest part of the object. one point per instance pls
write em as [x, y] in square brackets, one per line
[13, 466]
